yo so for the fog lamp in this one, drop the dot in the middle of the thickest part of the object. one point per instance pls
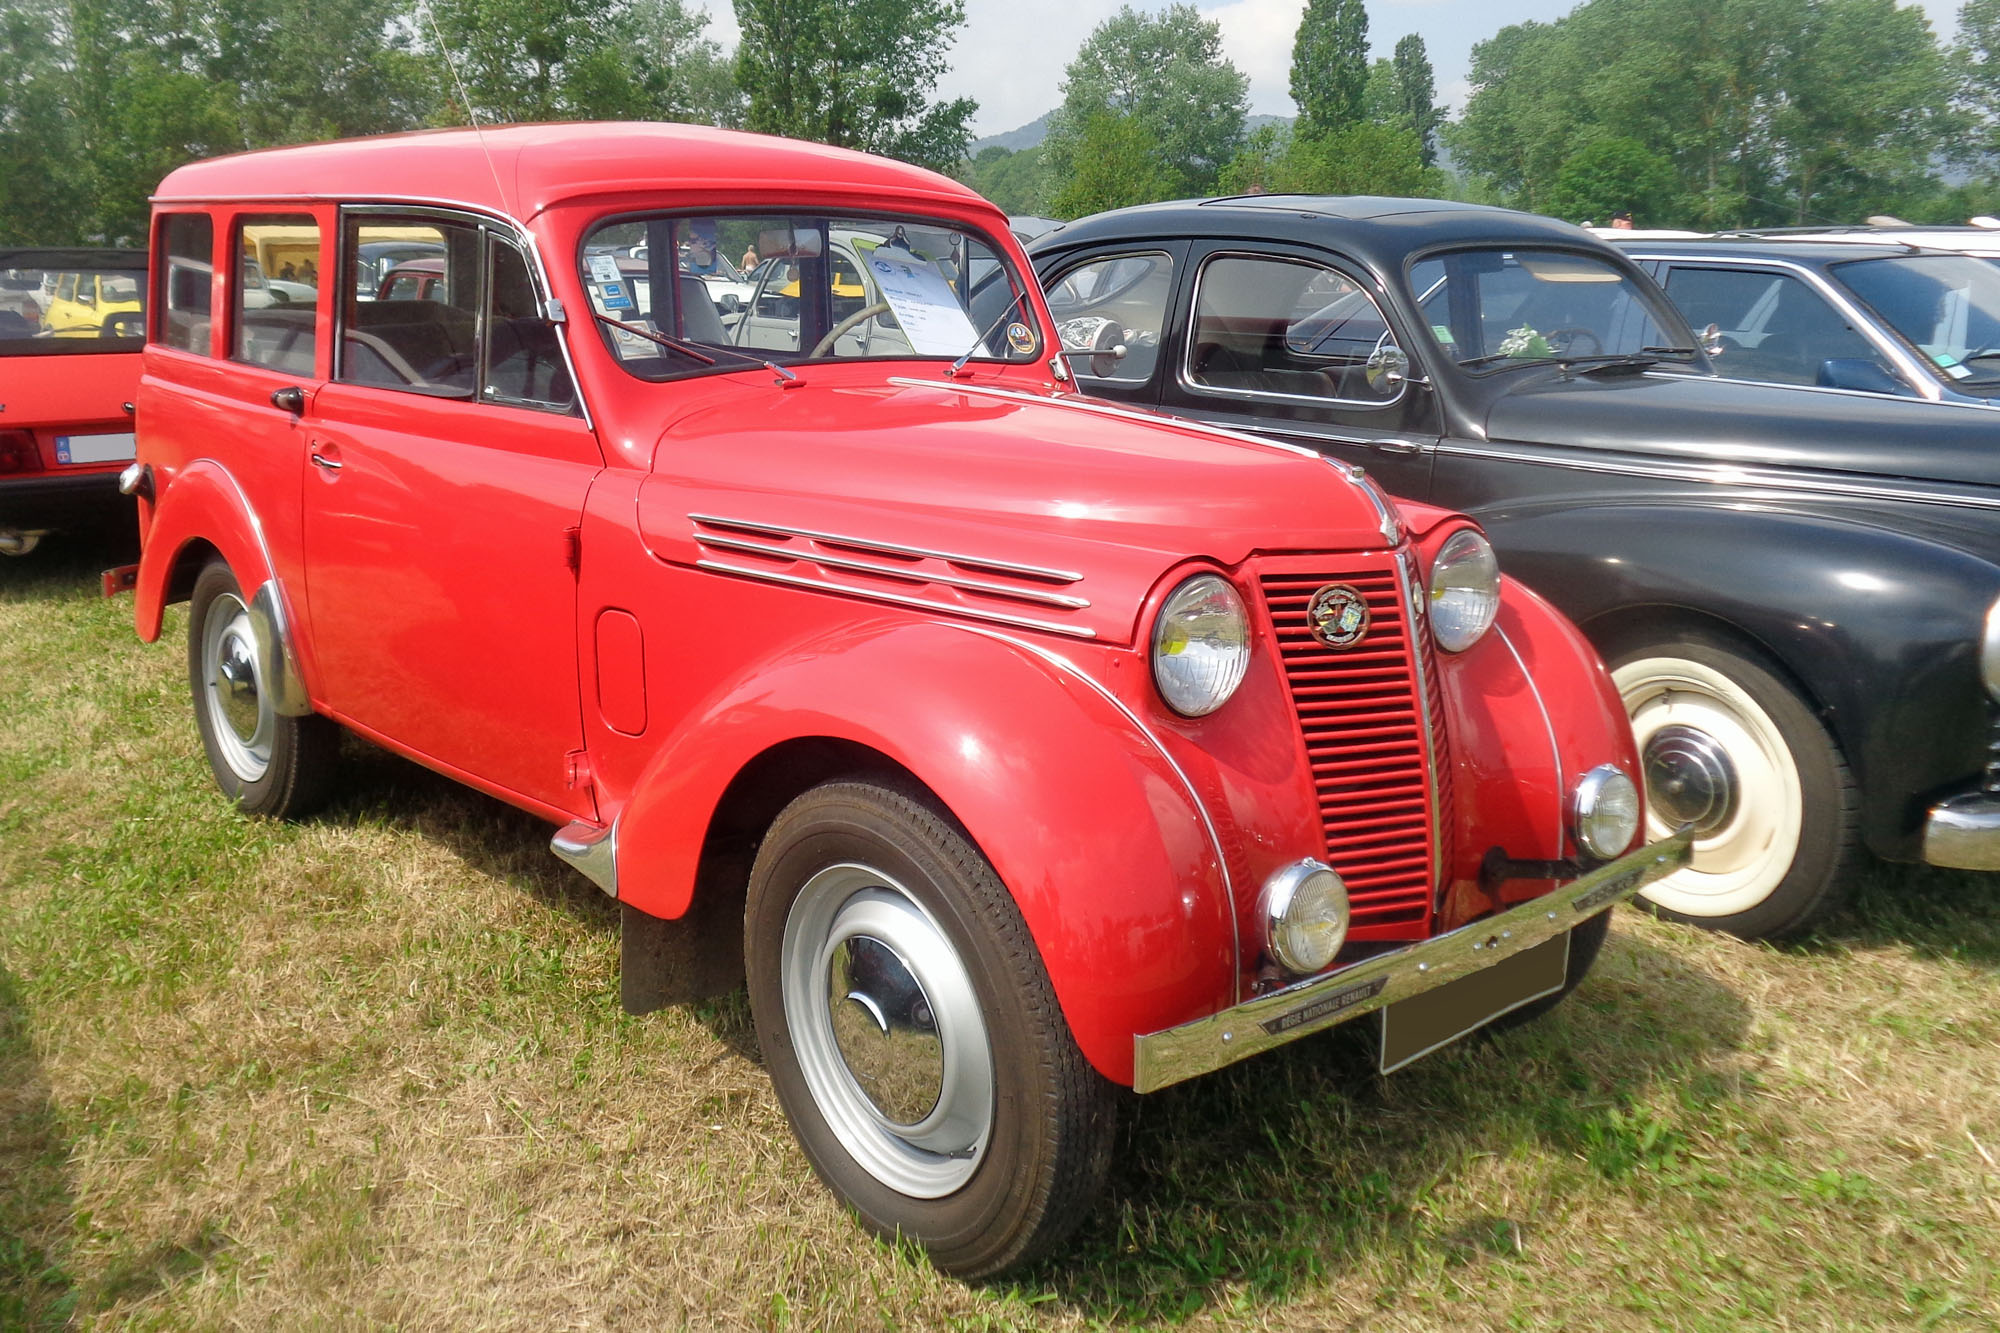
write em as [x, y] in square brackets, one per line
[1305, 916]
[1606, 812]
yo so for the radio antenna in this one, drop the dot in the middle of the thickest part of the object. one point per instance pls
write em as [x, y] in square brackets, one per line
[465, 100]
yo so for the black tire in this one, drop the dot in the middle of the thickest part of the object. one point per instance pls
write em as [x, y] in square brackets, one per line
[887, 857]
[284, 767]
[1586, 941]
[1777, 842]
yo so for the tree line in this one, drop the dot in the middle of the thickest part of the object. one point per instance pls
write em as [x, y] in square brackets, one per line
[1722, 113]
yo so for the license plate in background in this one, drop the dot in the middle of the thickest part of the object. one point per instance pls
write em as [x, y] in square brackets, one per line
[116, 447]
[1417, 1026]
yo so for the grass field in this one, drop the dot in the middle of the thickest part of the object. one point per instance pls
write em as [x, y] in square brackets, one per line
[369, 1071]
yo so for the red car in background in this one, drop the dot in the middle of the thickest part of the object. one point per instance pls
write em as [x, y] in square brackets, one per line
[72, 324]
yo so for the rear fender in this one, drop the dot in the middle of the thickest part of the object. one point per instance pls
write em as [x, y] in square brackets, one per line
[1093, 829]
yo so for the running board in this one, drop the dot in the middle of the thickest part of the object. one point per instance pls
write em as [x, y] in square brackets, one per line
[592, 849]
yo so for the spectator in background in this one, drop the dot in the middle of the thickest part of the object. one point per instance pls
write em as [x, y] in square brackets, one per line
[749, 258]
[1621, 221]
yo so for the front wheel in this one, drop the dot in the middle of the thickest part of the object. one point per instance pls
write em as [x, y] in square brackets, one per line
[268, 763]
[912, 1035]
[1731, 749]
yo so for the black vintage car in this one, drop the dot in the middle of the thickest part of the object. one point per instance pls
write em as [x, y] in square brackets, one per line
[1798, 594]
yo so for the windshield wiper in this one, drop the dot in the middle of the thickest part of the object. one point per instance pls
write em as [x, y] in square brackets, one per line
[1668, 351]
[698, 351]
[980, 341]
[1491, 357]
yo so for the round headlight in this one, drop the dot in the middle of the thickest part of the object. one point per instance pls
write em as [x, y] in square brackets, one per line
[1201, 646]
[1305, 916]
[1465, 590]
[1607, 812]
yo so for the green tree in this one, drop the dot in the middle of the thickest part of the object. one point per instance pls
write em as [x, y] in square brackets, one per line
[856, 73]
[1013, 180]
[1612, 174]
[1414, 96]
[1364, 158]
[1330, 63]
[1118, 162]
[43, 197]
[1166, 75]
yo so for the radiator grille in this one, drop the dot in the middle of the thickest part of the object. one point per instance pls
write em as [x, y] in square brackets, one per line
[1365, 737]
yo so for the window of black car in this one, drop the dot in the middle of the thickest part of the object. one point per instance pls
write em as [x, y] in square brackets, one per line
[1767, 325]
[278, 334]
[1119, 301]
[1290, 328]
[1947, 306]
[667, 303]
[1490, 308]
[56, 308]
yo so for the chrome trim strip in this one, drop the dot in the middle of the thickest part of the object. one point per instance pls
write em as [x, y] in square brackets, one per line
[1160, 1059]
[1549, 726]
[921, 603]
[1923, 381]
[592, 849]
[1406, 580]
[1963, 833]
[1184, 372]
[1062, 663]
[1989, 651]
[278, 668]
[1726, 474]
[869, 543]
[906, 573]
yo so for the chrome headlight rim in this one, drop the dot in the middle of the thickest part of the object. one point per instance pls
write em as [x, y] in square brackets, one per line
[1465, 551]
[1602, 787]
[1285, 894]
[1186, 694]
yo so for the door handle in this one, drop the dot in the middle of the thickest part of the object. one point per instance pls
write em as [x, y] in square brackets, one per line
[321, 460]
[291, 399]
[1396, 446]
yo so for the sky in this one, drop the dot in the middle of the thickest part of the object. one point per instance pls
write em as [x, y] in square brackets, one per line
[1010, 55]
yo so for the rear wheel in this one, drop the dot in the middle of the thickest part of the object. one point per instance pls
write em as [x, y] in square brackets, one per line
[912, 1035]
[1730, 748]
[267, 763]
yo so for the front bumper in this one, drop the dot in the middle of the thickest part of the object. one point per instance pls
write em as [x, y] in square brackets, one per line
[1963, 833]
[1166, 1057]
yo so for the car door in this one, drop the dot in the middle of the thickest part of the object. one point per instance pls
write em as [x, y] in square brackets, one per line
[1112, 297]
[1297, 345]
[449, 465]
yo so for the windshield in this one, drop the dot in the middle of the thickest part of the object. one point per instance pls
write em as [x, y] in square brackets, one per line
[1946, 306]
[64, 308]
[819, 287]
[1492, 308]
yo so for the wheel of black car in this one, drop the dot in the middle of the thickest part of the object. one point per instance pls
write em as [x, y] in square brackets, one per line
[267, 763]
[912, 1034]
[1732, 749]
[1586, 941]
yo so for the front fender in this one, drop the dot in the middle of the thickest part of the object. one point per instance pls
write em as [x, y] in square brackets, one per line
[1092, 828]
[1882, 629]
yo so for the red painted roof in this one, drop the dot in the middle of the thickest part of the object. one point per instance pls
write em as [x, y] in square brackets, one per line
[522, 169]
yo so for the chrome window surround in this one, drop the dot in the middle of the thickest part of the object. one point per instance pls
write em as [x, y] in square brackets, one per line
[1185, 371]
[1909, 368]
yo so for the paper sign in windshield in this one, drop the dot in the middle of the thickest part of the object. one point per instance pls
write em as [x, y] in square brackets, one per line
[603, 268]
[922, 302]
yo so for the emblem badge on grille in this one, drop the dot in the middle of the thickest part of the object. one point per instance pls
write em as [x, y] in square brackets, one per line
[1338, 616]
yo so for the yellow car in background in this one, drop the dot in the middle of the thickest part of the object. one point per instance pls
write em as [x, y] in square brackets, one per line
[96, 305]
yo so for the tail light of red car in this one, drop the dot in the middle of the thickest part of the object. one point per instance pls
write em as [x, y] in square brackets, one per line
[18, 453]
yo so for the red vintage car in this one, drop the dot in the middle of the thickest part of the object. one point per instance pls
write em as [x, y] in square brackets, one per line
[1017, 747]
[70, 334]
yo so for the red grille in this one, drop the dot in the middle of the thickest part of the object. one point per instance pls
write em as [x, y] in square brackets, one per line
[1365, 738]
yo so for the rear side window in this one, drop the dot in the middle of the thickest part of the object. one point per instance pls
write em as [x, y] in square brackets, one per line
[1286, 327]
[185, 279]
[276, 326]
[1115, 302]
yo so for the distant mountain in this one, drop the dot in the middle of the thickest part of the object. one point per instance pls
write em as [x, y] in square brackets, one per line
[1037, 129]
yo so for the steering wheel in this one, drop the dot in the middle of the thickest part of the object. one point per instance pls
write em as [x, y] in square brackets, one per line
[124, 324]
[825, 345]
[1566, 337]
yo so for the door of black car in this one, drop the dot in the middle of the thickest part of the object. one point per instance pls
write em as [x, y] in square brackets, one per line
[1108, 298]
[1294, 345]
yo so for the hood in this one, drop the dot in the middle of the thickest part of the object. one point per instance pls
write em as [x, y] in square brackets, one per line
[982, 498]
[1695, 418]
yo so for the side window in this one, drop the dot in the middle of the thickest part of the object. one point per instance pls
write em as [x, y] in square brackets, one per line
[86, 289]
[1770, 326]
[272, 330]
[66, 287]
[1107, 303]
[418, 337]
[184, 275]
[524, 361]
[1290, 328]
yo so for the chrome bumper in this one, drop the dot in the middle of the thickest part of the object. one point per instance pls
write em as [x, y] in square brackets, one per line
[1241, 1031]
[1964, 833]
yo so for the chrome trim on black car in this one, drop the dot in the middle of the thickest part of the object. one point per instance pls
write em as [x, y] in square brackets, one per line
[1161, 1059]
[1963, 833]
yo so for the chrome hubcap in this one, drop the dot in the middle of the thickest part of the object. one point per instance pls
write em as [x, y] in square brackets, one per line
[239, 713]
[1689, 779]
[887, 1030]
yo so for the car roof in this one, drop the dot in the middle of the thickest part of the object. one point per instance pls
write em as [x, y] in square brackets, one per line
[521, 170]
[1380, 229]
[65, 258]
[1803, 249]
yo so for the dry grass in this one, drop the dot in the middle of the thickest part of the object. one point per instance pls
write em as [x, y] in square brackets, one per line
[370, 1071]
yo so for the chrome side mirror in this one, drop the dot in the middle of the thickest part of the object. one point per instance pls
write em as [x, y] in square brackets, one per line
[1388, 368]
